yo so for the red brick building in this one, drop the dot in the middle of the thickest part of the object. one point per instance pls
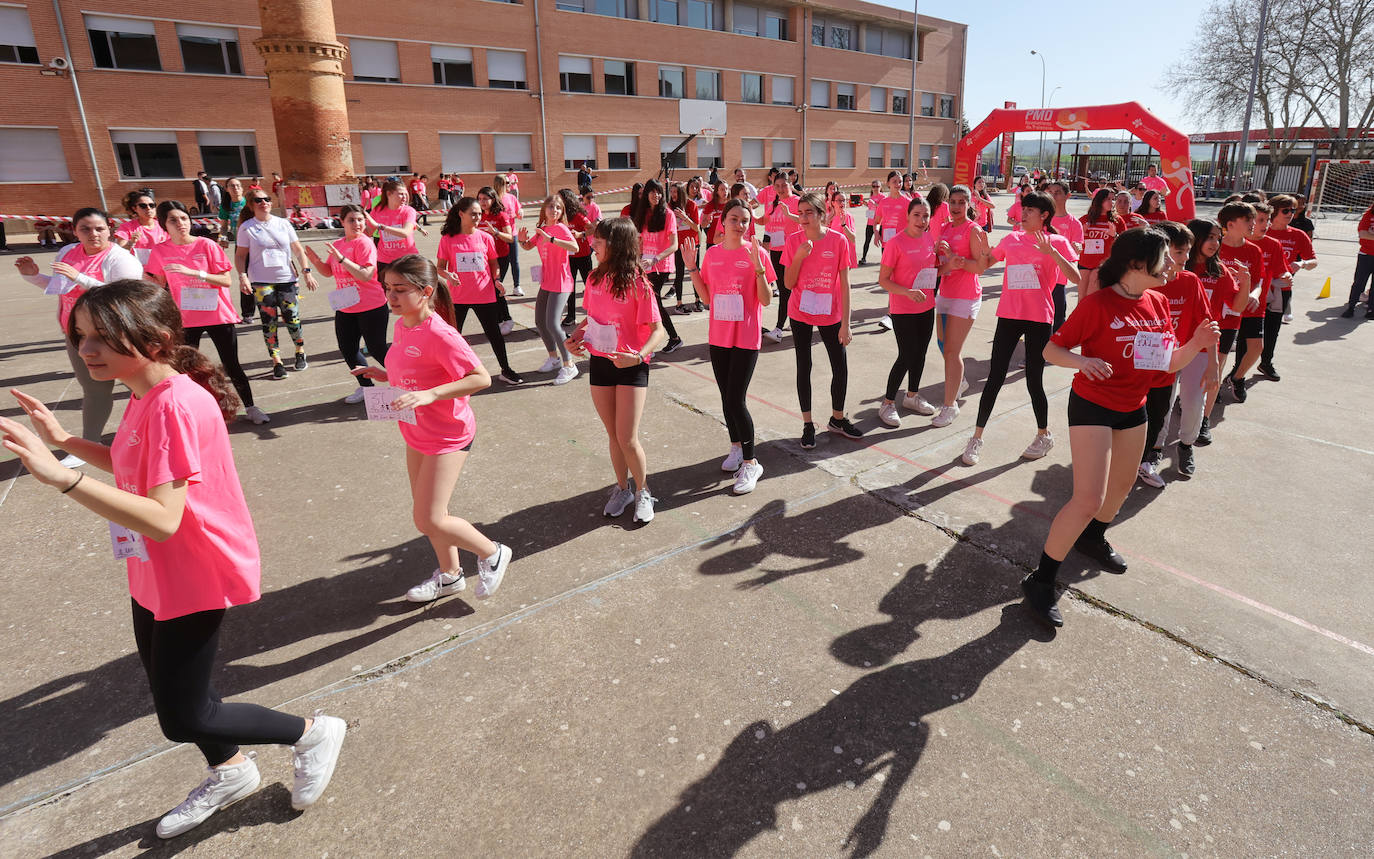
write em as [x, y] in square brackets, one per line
[472, 87]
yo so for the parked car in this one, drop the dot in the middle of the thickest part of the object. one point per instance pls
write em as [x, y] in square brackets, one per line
[1019, 170]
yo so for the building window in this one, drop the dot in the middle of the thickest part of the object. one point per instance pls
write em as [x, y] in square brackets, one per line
[775, 25]
[845, 96]
[782, 90]
[579, 149]
[666, 145]
[751, 151]
[701, 14]
[927, 104]
[452, 66]
[899, 102]
[923, 152]
[877, 99]
[708, 85]
[710, 153]
[820, 153]
[820, 93]
[209, 50]
[841, 36]
[782, 153]
[875, 155]
[620, 77]
[622, 153]
[757, 21]
[670, 83]
[947, 106]
[946, 155]
[385, 154]
[665, 11]
[512, 151]
[575, 74]
[460, 153]
[16, 40]
[32, 155]
[897, 153]
[844, 153]
[830, 33]
[751, 88]
[818, 32]
[613, 8]
[228, 153]
[123, 43]
[888, 43]
[147, 154]
[374, 60]
[506, 69]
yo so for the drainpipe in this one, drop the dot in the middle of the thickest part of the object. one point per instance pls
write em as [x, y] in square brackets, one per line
[911, 100]
[543, 122]
[80, 105]
[805, 156]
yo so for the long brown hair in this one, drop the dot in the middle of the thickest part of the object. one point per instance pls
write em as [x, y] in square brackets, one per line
[420, 272]
[388, 186]
[138, 316]
[620, 265]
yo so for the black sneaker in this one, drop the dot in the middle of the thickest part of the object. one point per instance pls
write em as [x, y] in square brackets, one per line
[1268, 371]
[301, 363]
[808, 439]
[1204, 435]
[844, 428]
[510, 377]
[674, 343]
[1185, 463]
[1041, 599]
[1369, 312]
[698, 307]
[1102, 552]
[1238, 389]
[278, 371]
[1349, 312]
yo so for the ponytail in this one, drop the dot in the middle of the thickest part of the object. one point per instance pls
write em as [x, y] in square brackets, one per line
[192, 362]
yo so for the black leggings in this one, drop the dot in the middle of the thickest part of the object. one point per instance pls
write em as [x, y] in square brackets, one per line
[1157, 404]
[248, 305]
[489, 317]
[658, 280]
[226, 340]
[178, 656]
[1061, 305]
[368, 326]
[734, 367]
[502, 266]
[784, 294]
[679, 269]
[913, 332]
[1273, 324]
[1364, 268]
[582, 266]
[1004, 339]
[868, 238]
[839, 364]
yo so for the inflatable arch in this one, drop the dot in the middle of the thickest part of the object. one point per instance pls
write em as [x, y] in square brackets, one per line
[1175, 163]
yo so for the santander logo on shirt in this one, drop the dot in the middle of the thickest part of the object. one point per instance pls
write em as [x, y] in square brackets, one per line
[1117, 323]
[413, 351]
[739, 263]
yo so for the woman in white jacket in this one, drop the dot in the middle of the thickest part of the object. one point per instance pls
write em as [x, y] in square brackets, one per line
[91, 263]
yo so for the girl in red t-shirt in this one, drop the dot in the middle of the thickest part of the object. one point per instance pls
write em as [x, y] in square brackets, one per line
[712, 211]
[1151, 208]
[1121, 205]
[580, 263]
[1227, 294]
[682, 200]
[1126, 341]
[498, 221]
[1100, 227]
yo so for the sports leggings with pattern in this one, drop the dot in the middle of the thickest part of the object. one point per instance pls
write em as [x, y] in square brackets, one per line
[279, 303]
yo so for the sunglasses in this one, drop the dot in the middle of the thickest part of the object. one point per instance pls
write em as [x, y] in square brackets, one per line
[1287, 211]
[262, 199]
[154, 206]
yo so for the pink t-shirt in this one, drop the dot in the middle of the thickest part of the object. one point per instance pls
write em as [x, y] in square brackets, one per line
[939, 219]
[908, 257]
[840, 220]
[394, 247]
[511, 203]
[1028, 293]
[177, 432]
[653, 244]
[776, 221]
[149, 237]
[200, 255]
[872, 205]
[816, 297]
[633, 315]
[555, 275]
[735, 308]
[469, 257]
[1072, 229]
[427, 356]
[959, 284]
[593, 211]
[87, 265]
[892, 215]
[362, 252]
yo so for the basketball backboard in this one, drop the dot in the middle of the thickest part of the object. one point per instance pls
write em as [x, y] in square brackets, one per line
[701, 116]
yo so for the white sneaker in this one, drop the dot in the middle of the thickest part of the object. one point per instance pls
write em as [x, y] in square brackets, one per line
[619, 500]
[972, 451]
[550, 363]
[775, 335]
[917, 403]
[747, 477]
[489, 575]
[358, 395]
[565, 375]
[1040, 446]
[508, 326]
[224, 785]
[946, 416]
[963, 388]
[71, 460]
[517, 291]
[1287, 318]
[887, 413]
[644, 506]
[315, 754]
[441, 584]
[1149, 475]
[733, 460]
[885, 323]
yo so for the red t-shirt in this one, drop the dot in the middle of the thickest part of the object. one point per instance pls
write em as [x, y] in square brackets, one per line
[502, 222]
[1297, 245]
[1097, 242]
[1152, 217]
[583, 225]
[685, 230]
[1275, 260]
[1367, 224]
[1106, 325]
[710, 221]
[1188, 308]
[1249, 255]
[1220, 292]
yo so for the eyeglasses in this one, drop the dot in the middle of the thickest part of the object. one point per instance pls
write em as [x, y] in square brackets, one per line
[262, 199]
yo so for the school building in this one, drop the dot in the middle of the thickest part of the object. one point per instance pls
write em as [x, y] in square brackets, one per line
[108, 97]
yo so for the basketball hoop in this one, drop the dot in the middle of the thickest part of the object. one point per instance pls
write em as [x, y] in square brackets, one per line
[710, 135]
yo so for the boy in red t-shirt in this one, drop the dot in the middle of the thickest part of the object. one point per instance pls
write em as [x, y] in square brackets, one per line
[1280, 282]
[1297, 245]
[1364, 267]
[1237, 251]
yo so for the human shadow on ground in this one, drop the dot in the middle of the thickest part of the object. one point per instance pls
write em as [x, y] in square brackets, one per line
[1329, 325]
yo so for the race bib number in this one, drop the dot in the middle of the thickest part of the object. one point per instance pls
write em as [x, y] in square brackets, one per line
[537, 273]
[925, 281]
[199, 298]
[815, 303]
[1094, 246]
[727, 308]
[1153, 350]
[378, 400]
[127, 544]
[775, 238]
[276, 258]
[468, 263]
[888, 233]
[343, 297]
[1022, 276]
[602, 338]
[142, 254]
[59, 285]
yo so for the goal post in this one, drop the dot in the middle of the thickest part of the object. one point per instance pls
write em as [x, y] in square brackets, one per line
[1342, 188]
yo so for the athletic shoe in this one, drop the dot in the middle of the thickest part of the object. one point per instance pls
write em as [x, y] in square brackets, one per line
[963, 389]
[489, 575]
[1102, 552]
[1287, 318]
[1038, 447]
[315, 754]
[507, 327]
[674, 343]
[887, 413]
[565, 375]
[224, 785]
[258, 416]
[775, 335]
[301, 363]
[1369, 312]
[945, 417]
[1238, 389]
[517, 291]
[644, 507]
[808, 439]
[733, 461]
[278, 371]
[441, 584]
[569, 322]
[972, 451]
[1185, 460]
[747, 477]
[1349, 312]
[1268, 372]
[71, 460]
[1204, 434]
[510, 377]
[885, 322]
[682, 310]
[917, 404]
[1041, 599]
[1149, 474]
[844, 428]
[359, 394]
[698, 307]
[248, 320]
[550, 364]
[618, 500]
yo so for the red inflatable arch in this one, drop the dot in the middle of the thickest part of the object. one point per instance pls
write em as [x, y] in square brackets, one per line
[1175, 163]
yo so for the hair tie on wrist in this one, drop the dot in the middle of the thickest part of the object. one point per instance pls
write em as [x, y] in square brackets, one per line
[80, 475]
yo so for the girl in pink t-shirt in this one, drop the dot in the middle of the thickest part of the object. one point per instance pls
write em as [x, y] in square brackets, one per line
[780, 220]
[506, 191]
[178, 515]
[622, 328]
[469, 263]
[394, 222]
[434, 371]
[837, 217]
[657, 227]
[875, 196]
[360, 313]
[1036, 257]
[908, 272]
[554, 240]
[735, 277]
[963, 246]
[198, 274]
[141, 233]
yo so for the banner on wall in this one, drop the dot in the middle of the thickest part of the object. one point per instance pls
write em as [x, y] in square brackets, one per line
[305, 196]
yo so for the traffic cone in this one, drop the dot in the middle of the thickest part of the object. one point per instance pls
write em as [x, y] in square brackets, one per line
[1326, 289]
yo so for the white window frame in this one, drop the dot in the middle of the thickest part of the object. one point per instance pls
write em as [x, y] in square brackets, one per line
[223, 36]
[500, 141]
[622, 145]
[841, 159]
[710, 153]
[381, 142]
[682, 81]
[789, 83]
[578, 148]
[843, 90]
[456, 151]
[788, 146]
[379, 60]
[818, 154]
[507, 62]
[751, 152]
[581, 66]
[744, 90]
[877, 99]
[820, 93]
[32, 154]
[136, 137]
[452, 55]
[714, 78]
[880, 158]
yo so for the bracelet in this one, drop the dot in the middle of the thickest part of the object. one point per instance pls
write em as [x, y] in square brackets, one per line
[691, 270]
[80, 475]
[202, 274]
[760, 271]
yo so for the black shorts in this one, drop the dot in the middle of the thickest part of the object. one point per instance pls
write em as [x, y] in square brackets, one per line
[1228, 340]
[605, 374]
[1252, 327]
[1086, 413]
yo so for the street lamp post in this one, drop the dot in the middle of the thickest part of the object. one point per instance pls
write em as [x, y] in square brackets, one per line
[1059, 147]
[1040, 154]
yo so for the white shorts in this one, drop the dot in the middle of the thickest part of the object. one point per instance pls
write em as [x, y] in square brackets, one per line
[964, 308]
